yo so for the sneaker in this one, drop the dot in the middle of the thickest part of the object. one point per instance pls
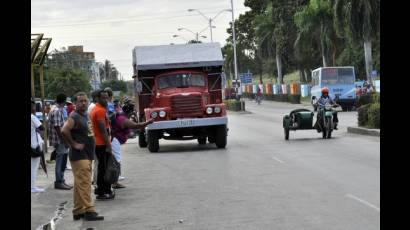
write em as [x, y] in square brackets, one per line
[68, 185]
[36, 190]
[120, 178]
[92, 216]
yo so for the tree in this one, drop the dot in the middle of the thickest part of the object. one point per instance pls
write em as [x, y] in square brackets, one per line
[65, 80]
[315, 24]
[115, 85]
[362, 18]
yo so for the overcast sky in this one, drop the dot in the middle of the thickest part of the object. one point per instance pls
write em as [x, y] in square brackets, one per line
[112, 28]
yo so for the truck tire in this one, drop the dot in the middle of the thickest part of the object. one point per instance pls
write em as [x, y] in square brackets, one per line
[202, 140]
[153, 141]
[141, 140]
[211, 139]
[220, 136]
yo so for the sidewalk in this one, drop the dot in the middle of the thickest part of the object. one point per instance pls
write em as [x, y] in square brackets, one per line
[47, 205]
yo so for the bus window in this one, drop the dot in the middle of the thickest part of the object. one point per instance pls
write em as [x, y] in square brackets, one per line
[329, 76]
[345, 76]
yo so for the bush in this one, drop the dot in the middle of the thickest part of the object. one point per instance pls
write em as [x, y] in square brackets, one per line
[294, 99]
[369, 98]
[363, 115]
[375, 97]
[374, 116]
[369, 116]
[234, 105]
[365, 99]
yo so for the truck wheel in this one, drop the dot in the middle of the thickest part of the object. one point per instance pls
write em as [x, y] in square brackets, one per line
[220, 136]
[153, 141]
[202, 140]
[211, 139]
[286, 133]
[141, 140]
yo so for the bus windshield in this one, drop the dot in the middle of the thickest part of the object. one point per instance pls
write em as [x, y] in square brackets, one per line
[181, 80]
[338, 76]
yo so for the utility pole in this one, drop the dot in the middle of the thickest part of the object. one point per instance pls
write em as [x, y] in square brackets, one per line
[234, 51]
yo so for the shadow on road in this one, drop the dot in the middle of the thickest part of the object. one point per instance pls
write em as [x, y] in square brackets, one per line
[186, 148]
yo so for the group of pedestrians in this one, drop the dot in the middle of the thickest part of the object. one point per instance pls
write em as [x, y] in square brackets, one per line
[91, 132]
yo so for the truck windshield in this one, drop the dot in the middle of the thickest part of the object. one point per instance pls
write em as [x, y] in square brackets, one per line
[337, 76]
[181, 80]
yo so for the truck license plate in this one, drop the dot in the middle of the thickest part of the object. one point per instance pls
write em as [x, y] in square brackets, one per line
[185, 123]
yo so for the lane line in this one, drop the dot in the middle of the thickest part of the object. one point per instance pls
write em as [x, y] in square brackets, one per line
[363, 202]
[276, 159]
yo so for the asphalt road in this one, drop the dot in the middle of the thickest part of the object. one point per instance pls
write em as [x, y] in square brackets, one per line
[260, 181]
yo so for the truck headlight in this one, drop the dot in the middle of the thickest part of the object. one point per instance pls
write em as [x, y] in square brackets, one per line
[209, 110]
[154, 115]
[217, 109]
[162, 113]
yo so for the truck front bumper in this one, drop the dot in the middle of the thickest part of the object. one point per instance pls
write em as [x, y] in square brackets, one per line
[187, 123]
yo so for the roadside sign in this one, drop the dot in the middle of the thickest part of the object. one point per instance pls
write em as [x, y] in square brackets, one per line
[246, 78]
[374, 73]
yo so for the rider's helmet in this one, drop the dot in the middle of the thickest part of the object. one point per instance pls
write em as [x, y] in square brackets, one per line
[325, 90]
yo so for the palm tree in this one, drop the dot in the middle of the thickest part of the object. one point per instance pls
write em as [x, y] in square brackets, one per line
[265, 38]
[315, 24]
[362, 18]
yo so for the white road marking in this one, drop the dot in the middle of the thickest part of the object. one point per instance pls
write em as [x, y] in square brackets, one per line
[363, 202]
[276, 159]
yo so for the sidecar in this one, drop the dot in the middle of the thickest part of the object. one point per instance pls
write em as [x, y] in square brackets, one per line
[298, 119]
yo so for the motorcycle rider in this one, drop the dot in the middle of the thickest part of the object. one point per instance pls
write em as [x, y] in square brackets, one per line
[322, 102]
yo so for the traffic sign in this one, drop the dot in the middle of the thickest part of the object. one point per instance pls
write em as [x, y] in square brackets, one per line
[246, 78]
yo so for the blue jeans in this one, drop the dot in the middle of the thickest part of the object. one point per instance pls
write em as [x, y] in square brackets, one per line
[61, 162]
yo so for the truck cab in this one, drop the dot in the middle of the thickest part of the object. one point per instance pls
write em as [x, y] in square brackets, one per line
[182, 91]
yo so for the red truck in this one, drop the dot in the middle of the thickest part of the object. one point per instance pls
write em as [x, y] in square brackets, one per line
[180, 86]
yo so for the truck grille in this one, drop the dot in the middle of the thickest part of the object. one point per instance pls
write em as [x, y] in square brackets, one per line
[186, 106]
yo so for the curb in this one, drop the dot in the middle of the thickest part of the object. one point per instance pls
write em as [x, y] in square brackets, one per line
[364, 131]
[240, 112]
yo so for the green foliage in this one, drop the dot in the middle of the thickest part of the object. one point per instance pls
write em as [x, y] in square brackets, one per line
[369, 115]
[363, 114]
[115, 85]
[374, 116]
[65, 80]
[234, 105]
[302, 33]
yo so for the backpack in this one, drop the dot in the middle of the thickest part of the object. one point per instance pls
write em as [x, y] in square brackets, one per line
[112, 170]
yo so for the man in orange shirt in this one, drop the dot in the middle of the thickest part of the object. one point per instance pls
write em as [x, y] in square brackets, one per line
[101, 130]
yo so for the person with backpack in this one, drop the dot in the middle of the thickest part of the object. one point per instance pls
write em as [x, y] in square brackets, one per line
[121, 126]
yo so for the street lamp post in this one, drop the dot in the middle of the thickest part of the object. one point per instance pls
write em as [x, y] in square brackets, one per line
[176, 35]
[234, 50]
[209, 19]
[196, 34]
